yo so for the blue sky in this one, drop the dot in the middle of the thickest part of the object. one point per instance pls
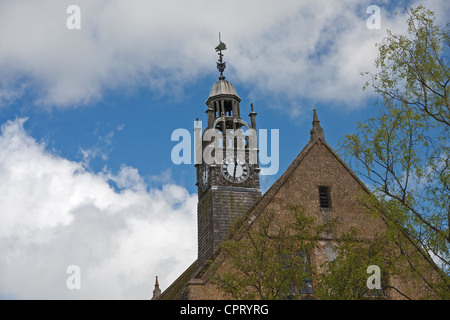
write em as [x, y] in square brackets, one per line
[87, 117]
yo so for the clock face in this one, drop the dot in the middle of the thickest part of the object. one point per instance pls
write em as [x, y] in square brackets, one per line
[205, 175]
[235, 169]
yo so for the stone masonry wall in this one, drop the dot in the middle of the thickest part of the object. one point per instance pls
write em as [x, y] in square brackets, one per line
[318, 168]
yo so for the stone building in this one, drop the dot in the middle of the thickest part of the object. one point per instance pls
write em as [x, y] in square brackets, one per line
[317, 180]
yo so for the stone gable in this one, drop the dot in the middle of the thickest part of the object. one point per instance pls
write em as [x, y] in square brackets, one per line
[324, 187]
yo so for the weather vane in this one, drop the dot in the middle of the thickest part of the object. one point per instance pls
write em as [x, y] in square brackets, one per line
[221, 65]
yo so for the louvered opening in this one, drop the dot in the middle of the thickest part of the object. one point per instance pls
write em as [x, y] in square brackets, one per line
[324, 197]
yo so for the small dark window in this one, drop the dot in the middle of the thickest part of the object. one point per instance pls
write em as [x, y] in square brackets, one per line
[324, 197]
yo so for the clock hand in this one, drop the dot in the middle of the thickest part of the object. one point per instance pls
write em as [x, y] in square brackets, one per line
[235, 166]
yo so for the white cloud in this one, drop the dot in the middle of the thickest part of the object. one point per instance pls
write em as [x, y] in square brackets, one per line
[301, 49]
[54, 214]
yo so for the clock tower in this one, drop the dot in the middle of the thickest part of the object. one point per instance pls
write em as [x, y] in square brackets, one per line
[228, 175]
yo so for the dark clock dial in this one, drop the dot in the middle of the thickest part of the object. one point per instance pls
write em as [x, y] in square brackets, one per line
[235, 170]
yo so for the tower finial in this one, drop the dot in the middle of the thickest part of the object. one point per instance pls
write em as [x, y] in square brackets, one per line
[157, 291]
[317, 130]
[221, 65]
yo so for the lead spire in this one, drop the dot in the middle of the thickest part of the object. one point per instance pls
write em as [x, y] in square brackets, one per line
[220, 64]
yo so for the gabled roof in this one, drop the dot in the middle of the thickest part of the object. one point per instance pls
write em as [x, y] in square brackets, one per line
[257, 209]
[179, 286]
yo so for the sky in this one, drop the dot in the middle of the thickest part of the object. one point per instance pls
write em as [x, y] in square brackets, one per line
[87, 114]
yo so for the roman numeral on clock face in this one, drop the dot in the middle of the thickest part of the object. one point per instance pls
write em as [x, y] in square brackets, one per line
[235, 170]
